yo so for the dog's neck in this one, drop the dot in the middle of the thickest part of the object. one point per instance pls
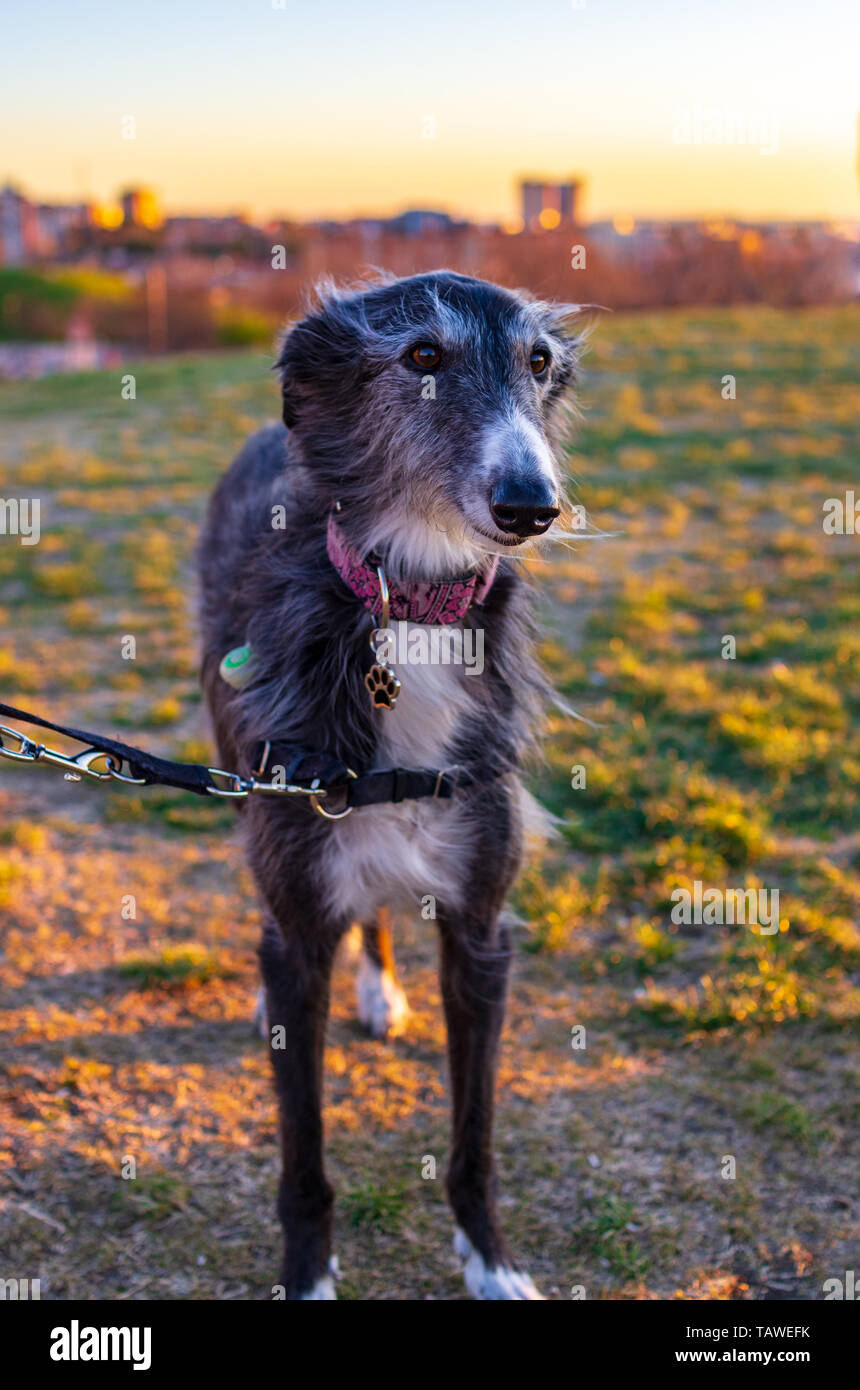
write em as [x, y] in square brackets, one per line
[434, 600]
[412, 548]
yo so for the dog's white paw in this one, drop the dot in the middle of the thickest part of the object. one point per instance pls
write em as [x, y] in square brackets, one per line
[499, 1282]
[324, 1288]
[382, 1005]
[260, 1023]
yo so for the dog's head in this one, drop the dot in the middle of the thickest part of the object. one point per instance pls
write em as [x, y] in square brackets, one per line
[428, 406]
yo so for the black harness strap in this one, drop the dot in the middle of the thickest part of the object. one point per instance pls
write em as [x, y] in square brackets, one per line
[391, 784]
[405, 784]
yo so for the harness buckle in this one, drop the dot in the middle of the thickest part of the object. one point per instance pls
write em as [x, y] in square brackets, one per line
[443, 772]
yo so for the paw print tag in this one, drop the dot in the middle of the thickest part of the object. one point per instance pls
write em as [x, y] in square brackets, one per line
[383, 685]
[380, 680]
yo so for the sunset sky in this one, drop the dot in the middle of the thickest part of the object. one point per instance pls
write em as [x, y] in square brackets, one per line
[319, 109]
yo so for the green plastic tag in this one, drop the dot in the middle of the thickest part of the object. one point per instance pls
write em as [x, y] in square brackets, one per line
[237, 668]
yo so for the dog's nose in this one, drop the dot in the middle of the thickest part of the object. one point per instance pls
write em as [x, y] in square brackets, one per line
[524, 506]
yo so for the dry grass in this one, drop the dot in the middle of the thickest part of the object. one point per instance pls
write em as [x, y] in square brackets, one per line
[131, 1037]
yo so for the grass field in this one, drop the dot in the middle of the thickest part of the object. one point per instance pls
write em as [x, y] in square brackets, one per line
[129, 1037]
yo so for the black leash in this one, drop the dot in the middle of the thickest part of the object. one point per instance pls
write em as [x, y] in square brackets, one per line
[145, 767]
[292, 771]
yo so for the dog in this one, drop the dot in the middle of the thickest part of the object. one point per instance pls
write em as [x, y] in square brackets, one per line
[417, 457]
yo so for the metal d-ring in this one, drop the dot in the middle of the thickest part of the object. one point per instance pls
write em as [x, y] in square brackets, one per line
[317, 792]
[385, 613]
[384, 596]
[115, 770]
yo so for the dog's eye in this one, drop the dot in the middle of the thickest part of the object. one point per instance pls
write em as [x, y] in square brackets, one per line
[425, 355]
[539, 361]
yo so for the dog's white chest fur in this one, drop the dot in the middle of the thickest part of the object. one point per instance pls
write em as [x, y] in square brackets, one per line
[399, 855]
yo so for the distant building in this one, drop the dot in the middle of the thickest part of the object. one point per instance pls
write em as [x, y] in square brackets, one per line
[60, 224]
[418, 222]
[141, 208]
[548, 205]
[370, 228]
[30, 232]
[208, 235]
[19, 228]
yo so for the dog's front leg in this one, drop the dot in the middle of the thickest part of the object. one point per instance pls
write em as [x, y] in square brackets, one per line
[475, 959]
[296, 968]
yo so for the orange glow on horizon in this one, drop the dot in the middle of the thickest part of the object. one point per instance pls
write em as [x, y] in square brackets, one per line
[624, 226]
[108, 215]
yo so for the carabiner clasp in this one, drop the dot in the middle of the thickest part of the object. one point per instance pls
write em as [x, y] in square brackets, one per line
[237, 786]
[26, 750]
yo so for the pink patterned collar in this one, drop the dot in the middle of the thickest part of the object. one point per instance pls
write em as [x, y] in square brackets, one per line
[440, 601]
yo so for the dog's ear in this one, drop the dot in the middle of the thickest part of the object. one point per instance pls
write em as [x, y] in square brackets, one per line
[569, 325]
[288, 366]
[320, 356]
[573, 320]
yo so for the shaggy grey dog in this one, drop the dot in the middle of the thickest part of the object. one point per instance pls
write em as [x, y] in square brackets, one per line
[420, 415]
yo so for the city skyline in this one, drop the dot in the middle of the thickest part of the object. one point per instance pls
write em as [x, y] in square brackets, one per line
[544, 207]
[677, 112]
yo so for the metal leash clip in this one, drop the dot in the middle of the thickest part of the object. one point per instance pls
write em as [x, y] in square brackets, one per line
[77, 766]
[237, 787]
[314, 791]
[255, 784]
